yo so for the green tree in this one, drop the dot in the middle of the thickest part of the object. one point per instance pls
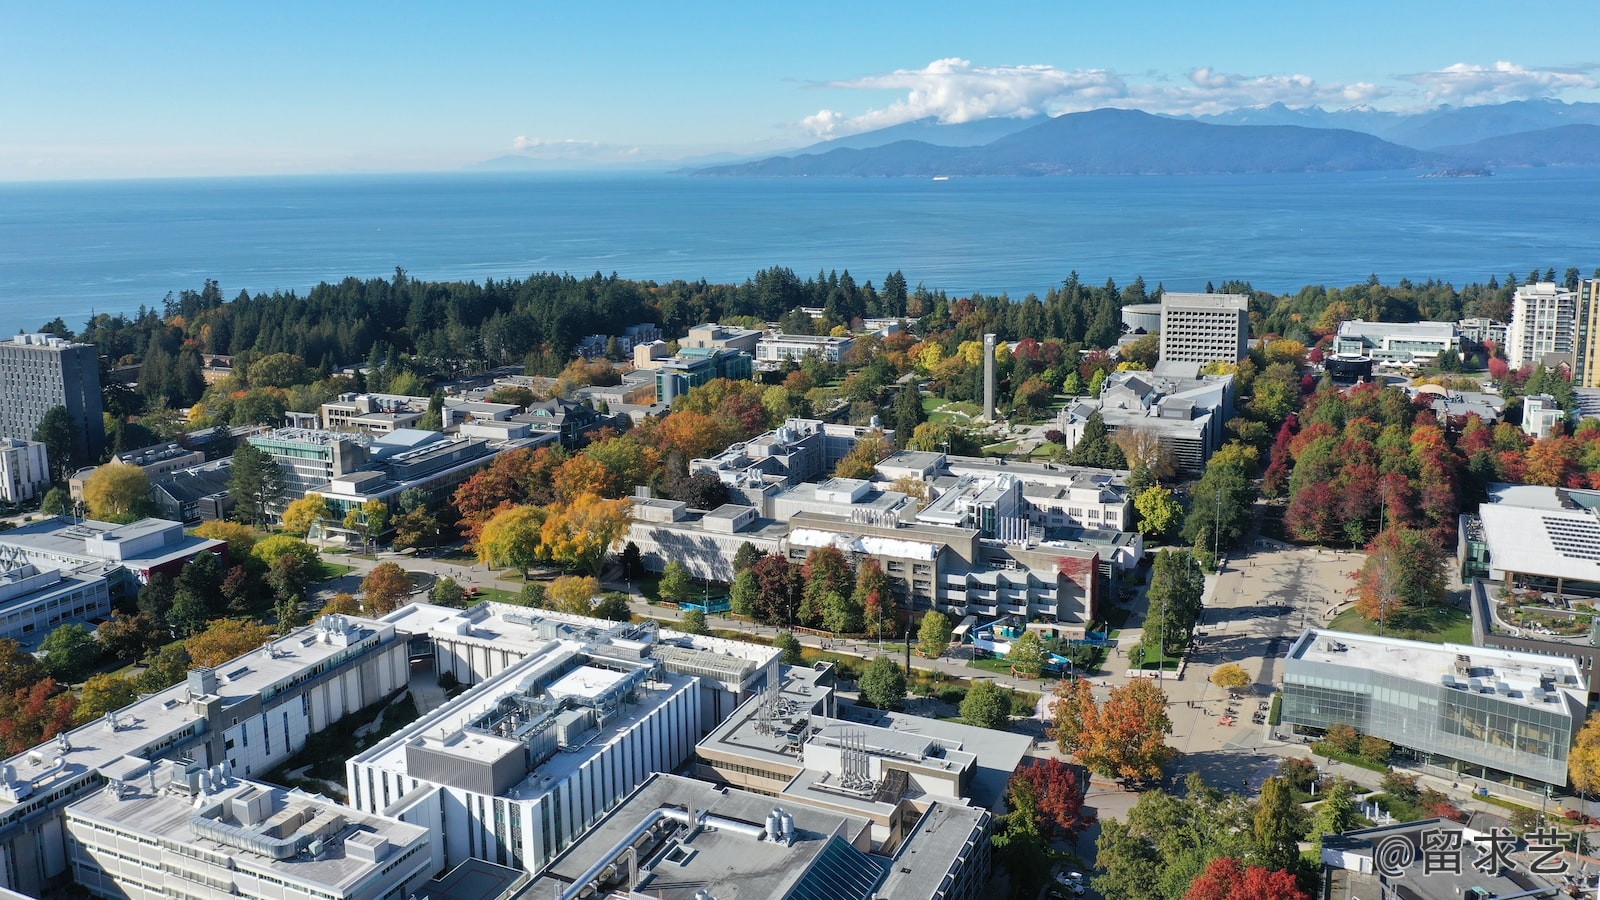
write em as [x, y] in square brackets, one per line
[1026, 655]
[447, 592]
[987, 705]
[286, 609]
[790, 645]
[1278, 825]
[933, 637]
[190, 613]
[906, 414]
[883, 684]
[745, 557]
[1336, 813]
[742, 596]
[155, 601]
[369, 520]
[56, 432]
[1220, 505]
[676, 584]
[614, 606]
[1095, 447]
[69, 652]
[165, 668]
[693, 622]
[433, 419]
[840, 614]
[532, 595]
[57, 502]
[1159, 510]
[255, 483]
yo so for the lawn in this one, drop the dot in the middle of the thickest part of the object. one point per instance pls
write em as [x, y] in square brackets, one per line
[1436, 624]
[497, 595]
[946, 412]
[1000, 449]
[332, 570]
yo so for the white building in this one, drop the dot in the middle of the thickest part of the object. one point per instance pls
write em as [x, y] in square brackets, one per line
[1203, 328]
[516, 769]
[1186, 411]
[798, 450]
[161, 831]
[1417, 343]
[1481, 330]
[247, 716]
[1541, 417]
[24, 470]
[1544, 319]
[705, 542]
[775, 348]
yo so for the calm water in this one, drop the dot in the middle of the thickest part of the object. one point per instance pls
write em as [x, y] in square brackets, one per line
[69, 248]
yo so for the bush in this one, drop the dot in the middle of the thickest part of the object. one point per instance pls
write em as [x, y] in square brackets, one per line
[1374, 748]
[1401, 786]
[1344, 739]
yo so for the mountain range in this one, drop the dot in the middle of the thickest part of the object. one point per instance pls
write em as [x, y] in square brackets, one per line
[1274, 138]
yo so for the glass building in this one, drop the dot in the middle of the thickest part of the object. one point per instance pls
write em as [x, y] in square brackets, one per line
[1495, 714]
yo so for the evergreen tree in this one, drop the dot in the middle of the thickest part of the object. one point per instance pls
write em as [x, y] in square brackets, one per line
[256, 482]
[907, 412]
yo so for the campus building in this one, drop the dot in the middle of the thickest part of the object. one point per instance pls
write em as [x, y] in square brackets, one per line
[567, 715]
[156, 461]
[1188, 412]
[1544, 319]
[1418, 343]
[24, 470]
[706, 542]
[798, 450]
[39, 372]
[695, 366]
[722, 337]
[312, 457]
[1497, 715]
[159, 830]
[1586, 373]
[246, 716]
[774, 348]
[1482, 331]
[196, 494]
[1204, 328]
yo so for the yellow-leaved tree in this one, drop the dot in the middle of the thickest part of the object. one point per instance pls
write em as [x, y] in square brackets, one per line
[512, 538]
[578, 533]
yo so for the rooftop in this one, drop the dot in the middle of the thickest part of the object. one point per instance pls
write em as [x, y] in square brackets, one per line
[1442, 331]
[1210, 301]
[317, 836]
[727, 854]
[1514, 676]
[925, 859]
[1563, 543]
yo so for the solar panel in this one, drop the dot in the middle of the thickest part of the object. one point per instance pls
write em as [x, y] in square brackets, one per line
[1575, 539]
[840, 872]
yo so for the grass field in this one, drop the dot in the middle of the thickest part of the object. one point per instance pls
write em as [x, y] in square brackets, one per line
[1436, 624]
[331, 570]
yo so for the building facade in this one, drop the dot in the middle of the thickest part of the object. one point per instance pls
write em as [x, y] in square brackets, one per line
[24, 470]
[39, 372]
[1586, 373]
[1204, 328]
[774, 349]
[1498, 715]
[1544, 319]
[1410, 343]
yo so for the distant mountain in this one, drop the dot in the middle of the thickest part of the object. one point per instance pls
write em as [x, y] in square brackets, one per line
[1432, 129]
[1110, 142]
[927, 130]
[1567, 145]
[1359, 118]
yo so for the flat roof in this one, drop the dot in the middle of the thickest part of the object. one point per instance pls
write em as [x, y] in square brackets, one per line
[1541, 541]
[1427, 330]
[154, 718]
[1454, 665]
[719, 860]
[998, 752]
[1211, 301]
[925, 859]
[162, 813]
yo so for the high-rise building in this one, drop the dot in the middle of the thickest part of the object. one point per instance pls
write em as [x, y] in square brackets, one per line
[41, 371]
[1203, 328]
[1587, 371]
[24, 470]
[1544, 319]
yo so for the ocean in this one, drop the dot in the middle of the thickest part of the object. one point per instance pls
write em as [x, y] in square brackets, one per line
[74, 248]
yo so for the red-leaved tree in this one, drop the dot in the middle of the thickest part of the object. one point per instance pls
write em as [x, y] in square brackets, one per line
[1226, 879]
[1059, 794]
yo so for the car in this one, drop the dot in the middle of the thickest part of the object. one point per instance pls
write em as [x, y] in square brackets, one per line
[1072, 881]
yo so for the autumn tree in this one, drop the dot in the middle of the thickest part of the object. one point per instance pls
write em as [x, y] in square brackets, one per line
[577, 534]
[369, 520]
[1124, 737]
[573, 594]
[871, 595]
[1058, 794]
[826, 573]
[240, 538]
[33, 714]
[1230, 677]
[300, 515]
[341, 604]
[778, 587]
[1583, 761]
[227, 639]
[104, 693]
[125, 637]
[384, 589]
[1404, 569]
[862, 460]
[117, 492]
[1226, 879]
[1144, 449]
[513, 537]
[986, 705]
[1159, 510]
[268, 549]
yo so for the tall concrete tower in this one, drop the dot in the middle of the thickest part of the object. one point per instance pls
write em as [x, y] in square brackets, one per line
[988, 377]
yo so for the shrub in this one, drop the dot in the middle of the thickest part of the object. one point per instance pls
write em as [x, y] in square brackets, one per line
[1344, 739]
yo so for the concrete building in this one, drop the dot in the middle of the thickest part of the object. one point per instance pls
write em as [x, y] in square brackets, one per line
[520, 766]
[156, 461]
[1204, 328]
[774, 348]
[1448, 404]
[24, 470]
[1544, 319]
[799, 450]
[435, 468]
[1586, 373]
[571, 422]
[311, 458]
[1482, 331]
[794, 741]
[1141, 318]
[247, 716]
[1351, 865]
[39, 372]
[705, 542]
[158, 831]
[123, 556]
[722, 337]
[1187, 411]
[1496, 715]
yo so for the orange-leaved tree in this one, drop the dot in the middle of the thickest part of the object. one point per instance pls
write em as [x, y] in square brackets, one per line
[1124, 737]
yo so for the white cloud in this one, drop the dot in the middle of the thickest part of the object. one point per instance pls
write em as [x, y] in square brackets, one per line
[1464, 84]
[955, 90]
[524, 144]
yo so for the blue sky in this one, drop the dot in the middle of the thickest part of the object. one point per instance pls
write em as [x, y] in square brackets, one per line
[164, 89]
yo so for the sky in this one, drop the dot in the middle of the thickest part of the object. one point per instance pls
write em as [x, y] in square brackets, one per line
[161, 89]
